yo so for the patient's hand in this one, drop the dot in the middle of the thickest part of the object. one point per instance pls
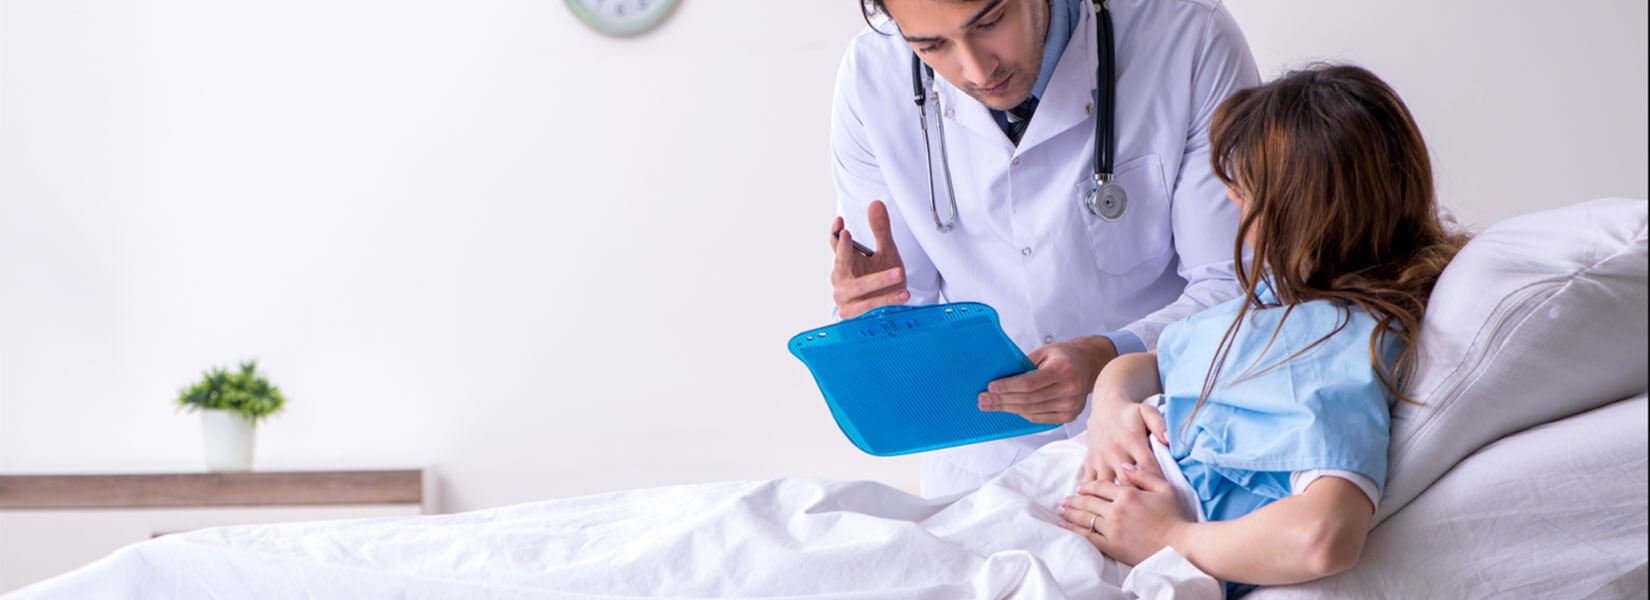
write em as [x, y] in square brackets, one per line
[1131, 520]
[1117, 436]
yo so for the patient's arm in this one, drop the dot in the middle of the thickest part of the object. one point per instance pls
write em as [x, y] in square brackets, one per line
[1309, 535]
[1128, 378]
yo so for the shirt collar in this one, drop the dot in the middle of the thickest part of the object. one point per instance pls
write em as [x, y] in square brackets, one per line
[1062, 22]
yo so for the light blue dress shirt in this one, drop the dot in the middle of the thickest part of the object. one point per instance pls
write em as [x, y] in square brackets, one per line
[1324, 409]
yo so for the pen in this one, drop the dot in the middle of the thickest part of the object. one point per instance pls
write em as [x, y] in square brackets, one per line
[860, 248]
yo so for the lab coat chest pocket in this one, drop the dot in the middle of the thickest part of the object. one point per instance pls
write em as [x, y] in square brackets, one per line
[1143, 231]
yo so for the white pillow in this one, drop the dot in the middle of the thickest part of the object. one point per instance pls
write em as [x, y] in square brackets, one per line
[1540, 317]
[1528, 516]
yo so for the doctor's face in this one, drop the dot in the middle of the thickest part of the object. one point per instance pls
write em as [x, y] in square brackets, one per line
[990, 49]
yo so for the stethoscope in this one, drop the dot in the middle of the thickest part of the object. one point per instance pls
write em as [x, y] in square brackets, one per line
[1106, 200]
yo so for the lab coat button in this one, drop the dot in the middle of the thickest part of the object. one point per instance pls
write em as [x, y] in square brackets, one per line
[1025, 251]
[1048, 339]
[1015, 162]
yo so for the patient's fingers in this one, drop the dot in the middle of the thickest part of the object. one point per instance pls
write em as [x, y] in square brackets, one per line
[1140, 453]
[1116, 455]
[1132, 450]
[1103, 471]
[1104, 489]
[1145, 480]
[1078, 520]
[1081, 510]
[1155, 423]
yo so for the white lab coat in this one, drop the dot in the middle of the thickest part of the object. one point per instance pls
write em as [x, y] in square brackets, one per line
[1023, 242]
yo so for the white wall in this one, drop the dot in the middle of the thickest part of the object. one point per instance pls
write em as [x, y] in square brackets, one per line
[475, 236]
[1525, 105]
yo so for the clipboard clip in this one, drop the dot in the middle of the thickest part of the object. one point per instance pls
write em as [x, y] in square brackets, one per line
[887, 318]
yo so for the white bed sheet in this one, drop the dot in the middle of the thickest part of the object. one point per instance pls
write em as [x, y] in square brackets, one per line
[791, 537]
[1556, 511]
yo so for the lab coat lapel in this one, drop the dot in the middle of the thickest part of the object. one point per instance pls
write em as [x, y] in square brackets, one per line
[964, 110]
[1069, 99]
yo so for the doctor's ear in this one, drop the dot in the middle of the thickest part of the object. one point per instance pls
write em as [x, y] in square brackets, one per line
[1233, 195]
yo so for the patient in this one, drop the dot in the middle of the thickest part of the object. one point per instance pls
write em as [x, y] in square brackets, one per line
[1269, 414]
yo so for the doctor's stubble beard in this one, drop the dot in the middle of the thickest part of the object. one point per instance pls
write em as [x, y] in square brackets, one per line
[1026, 73]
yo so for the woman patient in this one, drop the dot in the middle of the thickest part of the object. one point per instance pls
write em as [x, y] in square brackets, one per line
[1270, 413]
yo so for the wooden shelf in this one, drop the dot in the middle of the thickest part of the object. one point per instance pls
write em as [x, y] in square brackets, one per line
[293, 488]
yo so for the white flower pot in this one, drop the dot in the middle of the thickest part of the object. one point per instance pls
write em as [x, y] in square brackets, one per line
[229, 439]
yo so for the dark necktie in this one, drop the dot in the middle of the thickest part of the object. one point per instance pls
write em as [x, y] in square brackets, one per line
[1018, 118]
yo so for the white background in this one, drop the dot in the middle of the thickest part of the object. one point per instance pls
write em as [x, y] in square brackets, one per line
[478, 237]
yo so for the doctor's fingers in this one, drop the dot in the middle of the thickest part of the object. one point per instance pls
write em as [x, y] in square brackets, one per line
[1018, 389]
[864, 305]
[849, 289]
[1072, 405]
[882, 228]
[1050, 418]
[843, 246]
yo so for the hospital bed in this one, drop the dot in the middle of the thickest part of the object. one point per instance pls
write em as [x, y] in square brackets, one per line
[1524, 474]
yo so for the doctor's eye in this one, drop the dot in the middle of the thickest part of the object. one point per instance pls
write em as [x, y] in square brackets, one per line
[934, 47]
[992, 23]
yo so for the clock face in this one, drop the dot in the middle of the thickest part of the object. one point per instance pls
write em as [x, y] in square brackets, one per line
[621, 17]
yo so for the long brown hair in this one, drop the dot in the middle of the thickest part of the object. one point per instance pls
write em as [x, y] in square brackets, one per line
[1338, 191]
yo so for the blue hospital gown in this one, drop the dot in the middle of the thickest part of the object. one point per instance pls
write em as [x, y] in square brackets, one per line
[1324, 409]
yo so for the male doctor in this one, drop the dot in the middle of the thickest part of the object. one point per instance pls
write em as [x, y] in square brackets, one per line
[1015, 91]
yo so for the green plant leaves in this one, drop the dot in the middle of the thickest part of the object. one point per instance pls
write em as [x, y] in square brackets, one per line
[243, 392]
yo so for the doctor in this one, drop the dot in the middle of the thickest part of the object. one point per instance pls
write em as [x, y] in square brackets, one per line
[1082, 209]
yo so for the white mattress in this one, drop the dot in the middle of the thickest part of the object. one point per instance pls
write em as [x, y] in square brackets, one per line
[1559, 511]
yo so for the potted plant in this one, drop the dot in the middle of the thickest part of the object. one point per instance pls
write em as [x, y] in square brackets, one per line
[231, 404]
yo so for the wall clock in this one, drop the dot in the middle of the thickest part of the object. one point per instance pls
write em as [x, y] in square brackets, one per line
[622, 17]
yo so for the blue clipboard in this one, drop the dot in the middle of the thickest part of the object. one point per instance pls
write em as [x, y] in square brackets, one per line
[906, 379]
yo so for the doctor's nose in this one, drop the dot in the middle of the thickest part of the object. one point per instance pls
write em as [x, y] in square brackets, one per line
[977, 68]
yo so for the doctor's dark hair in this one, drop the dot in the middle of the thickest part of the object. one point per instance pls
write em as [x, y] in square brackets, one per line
[1339, 195]
[869, 9]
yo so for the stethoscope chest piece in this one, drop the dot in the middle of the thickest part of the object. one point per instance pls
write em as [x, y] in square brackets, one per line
[1107, 201]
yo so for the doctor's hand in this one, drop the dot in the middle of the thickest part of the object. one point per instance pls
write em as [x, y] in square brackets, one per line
[1058, 390]
[860, 283]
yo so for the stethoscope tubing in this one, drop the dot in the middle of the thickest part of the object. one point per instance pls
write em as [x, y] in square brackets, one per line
[1104, 123]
